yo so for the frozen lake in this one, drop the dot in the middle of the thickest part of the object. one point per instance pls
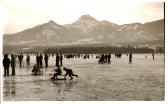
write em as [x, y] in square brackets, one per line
[120, 81]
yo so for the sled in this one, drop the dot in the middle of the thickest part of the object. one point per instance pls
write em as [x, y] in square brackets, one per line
[58, 77]
[38, 73]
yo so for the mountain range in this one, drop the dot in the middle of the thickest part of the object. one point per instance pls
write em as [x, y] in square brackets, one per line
[89, 31]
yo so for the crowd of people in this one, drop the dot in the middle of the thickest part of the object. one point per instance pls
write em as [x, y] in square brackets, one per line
[105, 59]
[7, 62]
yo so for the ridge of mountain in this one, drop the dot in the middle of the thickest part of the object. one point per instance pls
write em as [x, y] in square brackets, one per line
[88, 30]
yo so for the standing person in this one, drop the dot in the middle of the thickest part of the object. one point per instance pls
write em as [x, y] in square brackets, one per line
[61, 58]
[13, 64]
[37, 60]
[130, 58]
[22, 56]
[46, 60]
[57, 60]
[20, 59]
[70, 73]
[101, 60]
[153, 55]
[109, 58]
[105, 58]
[28, 60]
[41, 59]
[6, 64]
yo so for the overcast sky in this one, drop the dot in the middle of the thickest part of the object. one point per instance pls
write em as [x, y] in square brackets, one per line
[22, 14]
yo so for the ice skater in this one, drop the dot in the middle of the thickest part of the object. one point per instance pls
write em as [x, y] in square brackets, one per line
[28, 60]
[130, 58]
[13, 64]
[153, 55]
[20, 57]
[70, 73]
[46, 60]
[6, 64]
[36, 70]
[57, 60]
[57, 72]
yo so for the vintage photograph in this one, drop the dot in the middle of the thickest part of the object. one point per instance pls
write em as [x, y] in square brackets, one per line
[83, 50]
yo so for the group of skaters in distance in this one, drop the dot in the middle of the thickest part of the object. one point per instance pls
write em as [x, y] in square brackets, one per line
[7, 62]
[106, 58]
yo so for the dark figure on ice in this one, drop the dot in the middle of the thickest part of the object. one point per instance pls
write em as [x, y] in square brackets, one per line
[6, 63]
[40, 60]
[61, 58]
[36, 70]
[28, 60]
[153, 56]
[57, 60]
[70, 73]
[57, 71]
[20, 57]
[101, 59]
[130, 58]
[13, 64]
[109, 58]
[118, 55]
[46, 60]
[37, 60]
[105, 58]
[146, 56]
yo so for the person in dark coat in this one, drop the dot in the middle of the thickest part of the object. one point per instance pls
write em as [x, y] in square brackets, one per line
[13, 64]
[153, 56]
[20, 57]
[6, 64]
[109, 58]
[105, 58]
[101, 60]
[61, 58]
[37, 60]
[46, 60]
[36, 70]
[57, 72]
[41, 60]
[28, 60]
[130, 58]
[57, 60]
[70, 73]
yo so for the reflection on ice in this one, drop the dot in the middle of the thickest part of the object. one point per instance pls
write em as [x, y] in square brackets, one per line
[9, 87]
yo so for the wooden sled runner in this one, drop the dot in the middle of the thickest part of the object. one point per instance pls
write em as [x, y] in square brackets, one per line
[59, 77]
[37, 74]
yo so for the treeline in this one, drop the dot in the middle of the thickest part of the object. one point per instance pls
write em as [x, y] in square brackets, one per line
[82, 50]
[99, 50]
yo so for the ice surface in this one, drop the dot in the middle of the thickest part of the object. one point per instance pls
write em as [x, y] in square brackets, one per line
[142, 80]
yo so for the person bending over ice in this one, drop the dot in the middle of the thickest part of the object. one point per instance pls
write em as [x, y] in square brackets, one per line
[70, 73]
[36, 70]
[57, 72]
